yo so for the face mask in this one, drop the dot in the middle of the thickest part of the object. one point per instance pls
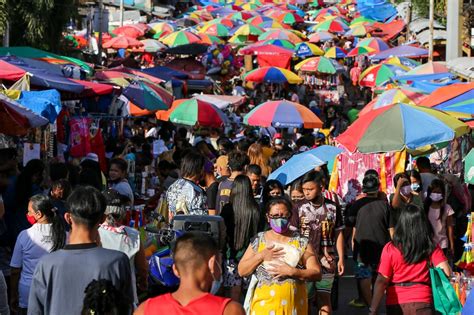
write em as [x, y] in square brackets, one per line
[405, 191]
[31, 219]
[216, 283]
[436, 197]
[279, 225]
[415, 186]
[277, 141]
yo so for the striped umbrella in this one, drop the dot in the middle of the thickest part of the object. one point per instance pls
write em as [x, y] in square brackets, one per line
[334, 26]
[392, 96]
[282, 114]
[306, 49]
[335, 52]
[362, 50]
[217, 29]
[280, 34]
[272, 75]
[320, 36]
[458, 97]
[379, 74]
[179, 38]
[375, 43]
[289, 18]
[402, 61]
[248, 29]
[196, 112]
[400, 126]
[279, 42]
[320, 65]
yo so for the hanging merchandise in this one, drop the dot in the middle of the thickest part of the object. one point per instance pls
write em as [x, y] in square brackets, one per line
[79, 143]
[97, 146]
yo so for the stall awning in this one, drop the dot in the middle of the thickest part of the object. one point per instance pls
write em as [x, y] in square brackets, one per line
[221, 101]
[95, 88]
[10, 72]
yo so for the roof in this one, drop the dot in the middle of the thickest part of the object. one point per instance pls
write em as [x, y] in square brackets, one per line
[424, 37]
[419, 25]
[463, 66]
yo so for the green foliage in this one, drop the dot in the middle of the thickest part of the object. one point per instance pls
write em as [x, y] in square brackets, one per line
[37, 23]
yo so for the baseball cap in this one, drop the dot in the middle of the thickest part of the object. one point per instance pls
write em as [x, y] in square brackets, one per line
[370, 183]
[91, 156]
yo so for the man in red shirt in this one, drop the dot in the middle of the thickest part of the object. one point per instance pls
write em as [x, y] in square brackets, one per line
[197, 263]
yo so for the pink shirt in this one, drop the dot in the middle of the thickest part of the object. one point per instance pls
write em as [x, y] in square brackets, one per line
[440, 236]
[355, 74]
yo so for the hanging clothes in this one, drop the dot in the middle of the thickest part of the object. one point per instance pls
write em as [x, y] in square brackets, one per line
[79, 143]
[98, 147]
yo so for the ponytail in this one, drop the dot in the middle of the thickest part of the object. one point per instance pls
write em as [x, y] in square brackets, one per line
[43, 204]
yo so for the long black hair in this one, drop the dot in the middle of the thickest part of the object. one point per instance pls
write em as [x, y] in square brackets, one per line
[33, 169]
[416, 174]
[269, 186]
[103, 298]
[435, 183]
[246, 212]
[413, 235]
[43, 204]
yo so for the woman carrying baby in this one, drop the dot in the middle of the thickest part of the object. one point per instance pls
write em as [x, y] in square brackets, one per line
[282, 260]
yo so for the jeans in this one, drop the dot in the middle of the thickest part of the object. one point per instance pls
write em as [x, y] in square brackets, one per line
[4, 309]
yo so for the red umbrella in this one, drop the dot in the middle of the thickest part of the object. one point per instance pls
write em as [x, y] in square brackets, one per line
[10, 72]
[124, 42]
[265, 50]
[134, 30]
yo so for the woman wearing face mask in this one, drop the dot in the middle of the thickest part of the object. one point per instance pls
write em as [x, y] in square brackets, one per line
[440, 215]
[46, 234]
[118, 180]
[416, 183]
[282, 260]
[401, 198]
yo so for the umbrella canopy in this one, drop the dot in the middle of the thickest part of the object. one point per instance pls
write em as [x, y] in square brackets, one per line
[151, 45]
[272, 75]
[282, 114]
[374, 42]
[280, 34]
[289, 18]
[265, 50]
[161, 27]
[400, 126]
[361, 50]
[122, 42]
[358, 30]
[300, 164]
[146, 97]
[10, 72]
[209, 40]
[259, 19]
[458, 97]
[215, 30]
[249, 29]
[242, 15]
[334, 26]
[392, 96]
[180, 38]
[319, 64]
[429, 68]
[401, 51]
[335, 52]
[320, 36]
[15, 120]
[402, 61]
[132, 30]
[469, 175]
[306, 49]
[196, 112]
[379, 74]
[274, 24]
[278, 42]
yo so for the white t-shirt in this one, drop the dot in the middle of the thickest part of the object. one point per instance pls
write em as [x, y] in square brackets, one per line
[440, 235]
[31, 245]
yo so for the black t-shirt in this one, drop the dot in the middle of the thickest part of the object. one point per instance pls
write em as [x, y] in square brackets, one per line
[211, 193]
[372, 224]
[353, 210]
[223, 193]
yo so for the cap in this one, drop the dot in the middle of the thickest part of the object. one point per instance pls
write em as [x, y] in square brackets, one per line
[277, 136]
[91, 156]
[222, 161]
[370, 183]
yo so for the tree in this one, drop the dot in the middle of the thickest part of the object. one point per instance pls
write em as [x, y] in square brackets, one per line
[37, 23]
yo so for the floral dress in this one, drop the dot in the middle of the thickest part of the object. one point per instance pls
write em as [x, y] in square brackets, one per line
[283, 296]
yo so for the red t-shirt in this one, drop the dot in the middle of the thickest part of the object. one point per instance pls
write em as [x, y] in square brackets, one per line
[396, 270]
[205, 304]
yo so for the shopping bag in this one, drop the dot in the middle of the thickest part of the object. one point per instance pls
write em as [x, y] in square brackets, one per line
[249, 295]
[444, 297]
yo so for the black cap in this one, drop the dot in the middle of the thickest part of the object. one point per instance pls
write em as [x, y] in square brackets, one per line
[370, 183]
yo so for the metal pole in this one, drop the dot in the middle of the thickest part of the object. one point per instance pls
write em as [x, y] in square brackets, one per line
[100, 33]
[6, 35]
[121, 12]
[430, 54]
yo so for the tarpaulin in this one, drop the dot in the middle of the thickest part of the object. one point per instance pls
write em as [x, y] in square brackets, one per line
[282, 61]
[45, 103]
[10, 72]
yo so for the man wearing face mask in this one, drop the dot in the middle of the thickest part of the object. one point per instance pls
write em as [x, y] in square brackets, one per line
[197, 263]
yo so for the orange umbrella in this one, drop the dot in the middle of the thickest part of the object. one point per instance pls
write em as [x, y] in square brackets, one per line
[124, 42]
[165, 114]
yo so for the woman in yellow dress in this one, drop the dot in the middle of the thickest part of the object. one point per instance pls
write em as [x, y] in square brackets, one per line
[282, 260]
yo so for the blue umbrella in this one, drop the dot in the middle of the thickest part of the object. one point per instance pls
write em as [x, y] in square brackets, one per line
[145, 97]
[302, 163]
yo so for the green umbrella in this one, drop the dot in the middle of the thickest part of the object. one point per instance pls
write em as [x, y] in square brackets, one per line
[469, 167]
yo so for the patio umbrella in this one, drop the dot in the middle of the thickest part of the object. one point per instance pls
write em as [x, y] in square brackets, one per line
[375, 43]
[180, 38]
[274, 25]
[361, 19]
[278, 42]
[429, 68]
[146, 97]
[282, 114]
[289, 18]
[130, 31]
[122, 42]
[209, 39]
[265, 50]
[215, 30]
[280, 34]
[335, 52]
[272, 75]
[319, 64]
[196, 112]
[242, 15]
[392, 96]
[358, 31]
[224, 21]
[400, 126]
[161, 27]
[401, 51]
[458, 97]
[320, 36]
[15, 120]
[259, 19]
[361, 50]
[151, 45]
[248, 29]
[469, 176]
[301, 163]
[379, 74]
[306, 49]
[333, 26]
[402, 61]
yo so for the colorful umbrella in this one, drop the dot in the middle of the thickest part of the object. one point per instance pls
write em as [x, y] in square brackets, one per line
[180, 38]
[375, 43]
[401, 51]
[319, 64]
[306, 49]
[132, 31]
[242, 15]
[358, 31]
[224, 21]
[399, 126]
[334, 26]
[215, 30]
[361, 19]
[272, 75]
[278, 42]
[248, 29]
[402, 61]
[209, 39]
[15, 120]
[361, 50]
[265, 50]
[259, 19]
[196, 112]
[301, 163]
[429, 68]
[458, 97]
[392, 96]
[335, 52]
[249, 6]
[379, 74]
[151, 45]
[282, 114]
[289, 18]
[469, 178]
[274, 25]
[320, 36]
[161, 27]
[122, 42]
[280, 34]
[146, 97]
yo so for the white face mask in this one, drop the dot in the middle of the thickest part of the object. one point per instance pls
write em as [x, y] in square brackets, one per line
[216, 283]
[436, 197]
[405, 190]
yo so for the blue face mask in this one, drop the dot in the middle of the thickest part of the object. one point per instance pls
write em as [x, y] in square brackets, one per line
[216, 283]
[415, 186]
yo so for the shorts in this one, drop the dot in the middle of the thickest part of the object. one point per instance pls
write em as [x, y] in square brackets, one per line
[365, 271]
[231, 274]
[415, 308]
[323, 286]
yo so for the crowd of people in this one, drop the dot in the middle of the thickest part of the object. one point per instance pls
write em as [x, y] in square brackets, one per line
[65, 247]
